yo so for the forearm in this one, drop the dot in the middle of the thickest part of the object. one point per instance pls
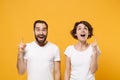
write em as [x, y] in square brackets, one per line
[94, 63]
[57, 70]
[21, 65]
[57, 76]
[67, 75]
[67, 69]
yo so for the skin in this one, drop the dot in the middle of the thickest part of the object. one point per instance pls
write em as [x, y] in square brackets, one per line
[81, 46]
[40, 33]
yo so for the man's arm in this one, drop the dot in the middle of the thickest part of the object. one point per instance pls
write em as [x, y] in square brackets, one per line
[21, 62]
[57, 70]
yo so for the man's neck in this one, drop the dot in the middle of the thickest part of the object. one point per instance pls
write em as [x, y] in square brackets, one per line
[42, 44]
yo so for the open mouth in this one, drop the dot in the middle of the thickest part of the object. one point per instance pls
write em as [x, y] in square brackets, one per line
[40, 37]
[82, 35]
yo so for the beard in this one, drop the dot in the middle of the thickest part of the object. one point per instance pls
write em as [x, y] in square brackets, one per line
[42, 39]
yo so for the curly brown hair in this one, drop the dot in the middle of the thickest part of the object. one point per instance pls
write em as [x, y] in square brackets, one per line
[90, 29]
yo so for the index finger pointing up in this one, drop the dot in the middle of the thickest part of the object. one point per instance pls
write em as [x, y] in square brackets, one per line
[21, 40]
[95, 40]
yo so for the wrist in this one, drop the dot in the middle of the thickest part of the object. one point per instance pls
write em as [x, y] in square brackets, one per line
[20, 55]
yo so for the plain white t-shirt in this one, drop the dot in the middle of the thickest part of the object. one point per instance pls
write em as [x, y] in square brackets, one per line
[40, 60]
[80, 63]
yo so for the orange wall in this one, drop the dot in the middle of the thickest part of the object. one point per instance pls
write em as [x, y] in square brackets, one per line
[16, 21]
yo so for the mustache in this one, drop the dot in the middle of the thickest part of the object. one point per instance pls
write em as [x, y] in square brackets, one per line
[41, 35]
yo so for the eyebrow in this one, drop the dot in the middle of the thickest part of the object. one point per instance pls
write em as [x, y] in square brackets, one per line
[84, 26]
[43, 28]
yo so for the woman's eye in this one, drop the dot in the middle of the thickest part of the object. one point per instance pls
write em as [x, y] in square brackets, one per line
[79, 28]
[86, 28]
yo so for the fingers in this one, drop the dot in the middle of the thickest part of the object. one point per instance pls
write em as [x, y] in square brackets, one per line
[95, 40]
[22, 46]
[21, 40]
[95, 45]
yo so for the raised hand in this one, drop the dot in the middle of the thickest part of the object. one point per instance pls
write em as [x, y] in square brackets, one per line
[22, 46]
[21, 62]
[95, 46]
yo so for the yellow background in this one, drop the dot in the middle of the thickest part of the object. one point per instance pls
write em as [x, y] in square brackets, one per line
[17, 18]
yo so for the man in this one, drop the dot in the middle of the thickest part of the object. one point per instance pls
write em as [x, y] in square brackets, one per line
[40, 58]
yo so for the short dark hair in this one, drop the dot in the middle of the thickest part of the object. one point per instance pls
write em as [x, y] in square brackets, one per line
[90, 29]
[40, 21]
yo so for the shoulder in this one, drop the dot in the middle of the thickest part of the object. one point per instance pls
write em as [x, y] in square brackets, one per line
[68, 51]
[52, 44]
[69, 47]
[30, 44]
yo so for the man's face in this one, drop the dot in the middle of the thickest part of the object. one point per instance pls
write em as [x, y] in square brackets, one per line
[40, 33]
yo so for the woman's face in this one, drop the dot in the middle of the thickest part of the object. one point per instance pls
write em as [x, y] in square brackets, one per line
[82, 32]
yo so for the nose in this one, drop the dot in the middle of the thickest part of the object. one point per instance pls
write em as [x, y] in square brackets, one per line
[40, 32]
[83, 30]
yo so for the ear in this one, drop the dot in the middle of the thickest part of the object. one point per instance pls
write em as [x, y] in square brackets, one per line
[88, 33]
[34, 32]
[75, 34]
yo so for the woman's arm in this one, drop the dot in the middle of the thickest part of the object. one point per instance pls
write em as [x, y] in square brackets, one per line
[67, 69]
[94, 62]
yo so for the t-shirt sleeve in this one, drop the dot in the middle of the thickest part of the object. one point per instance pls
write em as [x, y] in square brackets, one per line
[57, 54]
[68, 52]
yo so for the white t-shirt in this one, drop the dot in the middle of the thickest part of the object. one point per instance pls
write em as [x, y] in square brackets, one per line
[80, 63]
[40, 60]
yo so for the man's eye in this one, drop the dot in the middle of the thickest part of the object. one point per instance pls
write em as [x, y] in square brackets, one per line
[44, 29]
[37, 29]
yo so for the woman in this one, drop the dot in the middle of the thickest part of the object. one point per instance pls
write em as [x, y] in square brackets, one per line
[81, 58]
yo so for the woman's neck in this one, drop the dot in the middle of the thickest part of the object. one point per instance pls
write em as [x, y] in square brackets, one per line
[81, 46]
